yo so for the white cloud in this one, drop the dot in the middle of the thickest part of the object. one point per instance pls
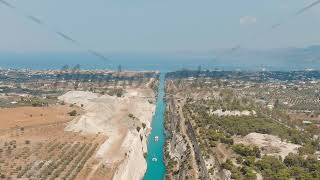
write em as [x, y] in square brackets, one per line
[245, 20]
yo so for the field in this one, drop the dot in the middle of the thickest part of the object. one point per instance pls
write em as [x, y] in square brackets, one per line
[33, 116]
[34, 145]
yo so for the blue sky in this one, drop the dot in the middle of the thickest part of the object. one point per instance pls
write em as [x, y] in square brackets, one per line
[158, 26]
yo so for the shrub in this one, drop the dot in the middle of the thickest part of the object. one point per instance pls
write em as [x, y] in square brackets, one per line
[73, 113]
[244, 150]
[227, 140]
[271, 166]
[143, 125]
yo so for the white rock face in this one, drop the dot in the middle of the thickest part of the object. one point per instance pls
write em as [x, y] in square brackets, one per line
[110, 115]
[135, 165]
[266, 141]
[220, 112]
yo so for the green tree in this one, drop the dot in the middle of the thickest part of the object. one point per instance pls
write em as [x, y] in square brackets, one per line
[293, 160]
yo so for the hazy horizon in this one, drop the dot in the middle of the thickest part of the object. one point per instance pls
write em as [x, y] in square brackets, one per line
[278, 34]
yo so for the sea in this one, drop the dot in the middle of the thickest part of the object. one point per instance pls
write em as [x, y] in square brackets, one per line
[140, 62]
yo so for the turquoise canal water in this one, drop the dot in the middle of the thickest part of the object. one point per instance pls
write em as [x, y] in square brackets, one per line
[156, 169]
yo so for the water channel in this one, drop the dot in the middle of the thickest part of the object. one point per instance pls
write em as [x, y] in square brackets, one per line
[156, 140]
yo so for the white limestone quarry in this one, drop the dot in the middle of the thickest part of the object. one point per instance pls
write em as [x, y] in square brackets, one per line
[125, 147]
[220, 112]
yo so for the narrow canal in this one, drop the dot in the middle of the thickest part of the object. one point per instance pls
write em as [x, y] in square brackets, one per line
[156, 166]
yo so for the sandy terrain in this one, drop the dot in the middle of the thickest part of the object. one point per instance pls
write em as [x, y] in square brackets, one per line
[119, 118]
[223, 153]
[271, 145]
[30, 116]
